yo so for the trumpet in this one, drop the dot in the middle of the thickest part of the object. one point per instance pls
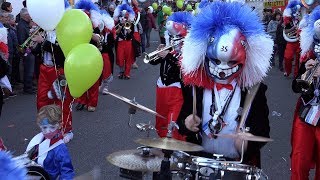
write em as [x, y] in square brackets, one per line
[153, 56]
[28, 43]
[127, 25]
[306, 80]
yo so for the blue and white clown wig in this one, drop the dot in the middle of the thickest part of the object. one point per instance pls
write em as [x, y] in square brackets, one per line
[10, 169]
[178, 23]
[310, 31]
[125, 11]
[237, 26]
[292, 9]
[107, 20]
[93, 12]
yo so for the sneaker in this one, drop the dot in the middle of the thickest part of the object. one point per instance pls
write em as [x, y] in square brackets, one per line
[67, 137]
[105, 90]
[126, 77]
[79, 107]
[13, 94]
[285, 74]
[120, 76]
[135, 66]
[91, 109]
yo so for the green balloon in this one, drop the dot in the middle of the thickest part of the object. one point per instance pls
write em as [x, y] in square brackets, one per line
[166, 9]
[197, 4]
[179, 4]
[74, 28]
[154, 6]
[82, 68]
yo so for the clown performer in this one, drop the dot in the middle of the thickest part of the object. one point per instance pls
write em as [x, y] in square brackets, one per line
[225, 53]
[47, 148]
[291, 19]
[124, 18]
[52, 87]
[107, 52]
[90, 98]
[4, 66]
[305, 138]
[169, 93]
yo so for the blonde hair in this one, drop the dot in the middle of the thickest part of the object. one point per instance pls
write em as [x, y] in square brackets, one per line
[51, 112]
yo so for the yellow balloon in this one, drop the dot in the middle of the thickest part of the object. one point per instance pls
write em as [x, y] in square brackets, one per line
[83, 67]
[75, 28]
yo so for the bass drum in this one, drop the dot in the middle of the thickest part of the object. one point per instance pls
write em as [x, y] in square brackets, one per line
[37, 173]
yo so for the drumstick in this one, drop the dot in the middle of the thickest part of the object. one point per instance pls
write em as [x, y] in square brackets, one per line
[247, 105]
[194, 109]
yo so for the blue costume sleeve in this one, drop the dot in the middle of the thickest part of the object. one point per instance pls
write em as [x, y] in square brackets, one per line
[65, 164]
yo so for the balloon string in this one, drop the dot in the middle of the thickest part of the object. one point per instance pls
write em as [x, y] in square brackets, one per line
[68, 118]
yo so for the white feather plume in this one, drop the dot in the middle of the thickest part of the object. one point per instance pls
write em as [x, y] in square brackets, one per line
[108, 21]
[306, 39]
[259, 52]
[96, 19]
[194, 53]
[4, 35]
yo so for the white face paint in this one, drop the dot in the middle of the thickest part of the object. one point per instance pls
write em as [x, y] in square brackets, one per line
[49, 128]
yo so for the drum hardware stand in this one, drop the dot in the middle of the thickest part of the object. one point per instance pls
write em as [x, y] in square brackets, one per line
[132, 110]
[145, 127]
[165, 172]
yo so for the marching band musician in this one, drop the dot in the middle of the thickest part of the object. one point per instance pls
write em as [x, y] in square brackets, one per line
[90, 98]
[305, 138]
[169, 94]
[52, 87]
[291, 19]
[124, 17]
[225, 53]
[107, 53]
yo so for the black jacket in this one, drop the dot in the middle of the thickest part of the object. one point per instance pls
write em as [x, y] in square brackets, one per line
[169, 69]
[57, 52]
[122, 35]
[257, 120]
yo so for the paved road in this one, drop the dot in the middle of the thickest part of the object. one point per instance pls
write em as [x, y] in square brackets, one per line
[105, 131]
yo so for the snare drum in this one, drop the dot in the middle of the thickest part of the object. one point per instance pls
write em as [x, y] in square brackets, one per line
[211, 169]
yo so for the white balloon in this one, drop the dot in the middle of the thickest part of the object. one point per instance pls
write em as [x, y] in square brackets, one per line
[46, 13]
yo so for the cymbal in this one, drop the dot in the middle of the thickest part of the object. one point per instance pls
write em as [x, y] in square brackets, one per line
[245, 136]
[135, 104]
[136, 161]
[169, 144]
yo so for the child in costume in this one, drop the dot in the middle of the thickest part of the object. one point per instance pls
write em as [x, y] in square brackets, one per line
[47, 148]
[52, 86]
[169, 93]
[225, 53]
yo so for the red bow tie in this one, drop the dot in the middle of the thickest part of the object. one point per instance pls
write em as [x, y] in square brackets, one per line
[221, 86]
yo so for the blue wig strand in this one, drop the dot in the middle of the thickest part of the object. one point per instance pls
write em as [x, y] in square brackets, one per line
[87, 5]
[181, 17]
[314, 16]
[203, 4]
[66, 4]
[127, 8]
[9, 169]
[218, 17]
[1, 25]
[293, 3]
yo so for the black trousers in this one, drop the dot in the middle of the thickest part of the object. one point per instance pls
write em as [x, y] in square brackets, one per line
[281, 50]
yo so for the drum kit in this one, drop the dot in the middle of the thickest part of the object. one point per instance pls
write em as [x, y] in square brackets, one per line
[167, 158]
